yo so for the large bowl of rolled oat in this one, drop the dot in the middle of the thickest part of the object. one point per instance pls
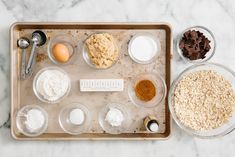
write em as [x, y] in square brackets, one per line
[202, 100]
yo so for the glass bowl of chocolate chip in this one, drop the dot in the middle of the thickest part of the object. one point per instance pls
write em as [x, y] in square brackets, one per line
[196, 44]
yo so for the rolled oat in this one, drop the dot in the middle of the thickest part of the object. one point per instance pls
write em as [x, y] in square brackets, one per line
[204, 100]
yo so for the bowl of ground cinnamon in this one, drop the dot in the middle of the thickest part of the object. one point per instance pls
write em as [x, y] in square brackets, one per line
[147, 90]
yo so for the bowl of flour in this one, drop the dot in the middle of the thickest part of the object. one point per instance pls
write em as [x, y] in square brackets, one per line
[51, 85]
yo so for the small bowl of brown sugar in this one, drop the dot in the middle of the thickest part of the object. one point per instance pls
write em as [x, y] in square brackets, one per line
[202, 100]
[196, 44]
[147, 90]
[100, 51]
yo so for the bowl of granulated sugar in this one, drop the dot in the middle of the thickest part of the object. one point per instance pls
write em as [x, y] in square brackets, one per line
[143, 48]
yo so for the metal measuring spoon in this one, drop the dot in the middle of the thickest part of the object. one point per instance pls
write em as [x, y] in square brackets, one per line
[38, 38]
[23, 43]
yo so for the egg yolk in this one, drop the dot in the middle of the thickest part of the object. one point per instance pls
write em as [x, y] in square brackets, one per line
[60, 52]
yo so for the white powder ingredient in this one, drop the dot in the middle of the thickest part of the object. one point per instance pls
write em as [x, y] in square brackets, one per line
[114, 117]
[34, 120]
[52, 84]
[154, 127]
[76, 116]
[143, 48]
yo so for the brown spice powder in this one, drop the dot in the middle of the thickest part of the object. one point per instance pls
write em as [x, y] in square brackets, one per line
[145, 90]
[41, 57]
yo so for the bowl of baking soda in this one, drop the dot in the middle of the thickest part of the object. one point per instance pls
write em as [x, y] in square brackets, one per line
[74, 119]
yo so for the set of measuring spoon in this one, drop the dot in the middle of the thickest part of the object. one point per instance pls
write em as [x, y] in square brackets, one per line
[38, 39]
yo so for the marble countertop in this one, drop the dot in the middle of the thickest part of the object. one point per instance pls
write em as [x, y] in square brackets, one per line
[217, 15]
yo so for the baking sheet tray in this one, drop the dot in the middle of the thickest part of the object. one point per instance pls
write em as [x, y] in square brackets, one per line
[22, 92]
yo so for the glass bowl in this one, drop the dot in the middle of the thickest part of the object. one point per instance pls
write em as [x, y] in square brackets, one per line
[159, 84]
[152, 39]
[89, 61]
[65, 40]
[39, 96]
[228, 75]
[114, 129]
[21, 119]
[208, 34]
[69, 127]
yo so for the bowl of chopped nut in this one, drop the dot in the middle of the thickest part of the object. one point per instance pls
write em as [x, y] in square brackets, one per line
[202, 100]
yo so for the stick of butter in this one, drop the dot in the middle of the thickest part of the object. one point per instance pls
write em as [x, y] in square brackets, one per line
[101, 85]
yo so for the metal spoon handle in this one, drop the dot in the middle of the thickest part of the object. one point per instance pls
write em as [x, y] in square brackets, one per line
[31, 58]
[23, 64]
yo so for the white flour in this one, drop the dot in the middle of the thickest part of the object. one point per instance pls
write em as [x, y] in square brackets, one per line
[52, 84]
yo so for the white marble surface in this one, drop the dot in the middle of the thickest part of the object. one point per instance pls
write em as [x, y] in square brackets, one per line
[218, 15]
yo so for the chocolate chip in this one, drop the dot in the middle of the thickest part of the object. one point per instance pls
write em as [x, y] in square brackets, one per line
[194, 45]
